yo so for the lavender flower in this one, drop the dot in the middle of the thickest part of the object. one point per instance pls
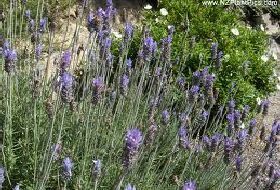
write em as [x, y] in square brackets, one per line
[193, 93]
[275, 178]
[2, 176]
[209, 89]
[171, 29]
[65, 60]
[128, 64]
[189, 185]
[148, 48]
[90, 22]
[31, 26]
[130, 187]
[42, 25]
[183, 138]
[184, 120]
[96, 169]
[219, 59]
[264, 106]
[252, 125]
[207, 143]
[231, 106]
[215, 140]
[97, 85]
[202, 118]
[10, 57]
[128, 32]
[67, 91]
[230, 120]
[241, 137]
[238, 163]
[109, 3]
[38, 51]
[228, 147]
[181, 82]
[165, 117]
[245, 112]
[196, 78]
[214, 51]
[150, 137]
[67, 166]
[16, 187]
[124, 81]
[133, 141]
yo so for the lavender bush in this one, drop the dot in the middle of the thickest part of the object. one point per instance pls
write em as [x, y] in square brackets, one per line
[126, 116]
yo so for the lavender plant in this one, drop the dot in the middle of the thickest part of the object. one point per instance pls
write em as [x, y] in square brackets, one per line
[175, 143]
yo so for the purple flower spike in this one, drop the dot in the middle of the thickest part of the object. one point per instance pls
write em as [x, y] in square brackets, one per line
[151, 134]
[31, 25]
[10, 57]
[193, 94]
[241, 137]
[206, 142]
[42, 25]
[96, 169]
[128, 64]
[165, 117]
[2, 176]
[214, 51]
[228, 147]
[128, 32]
[252, 125]
[148, 48]
[238, 163]
[196, 78]
[130, 187]
[219, 59]
[98, 86]
[38, 51]
[189, 185]
[65, 60]
[215, 140]
[183, 138]
[67, 91]
[181, 82]
[109, 3]
[133, 141]
[67, 166]
[124, 84]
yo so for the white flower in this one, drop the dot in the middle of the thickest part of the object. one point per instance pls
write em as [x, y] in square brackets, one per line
[264, 58]
[262, 28]
[226, 58]
[274, 73]
[157, 20]
[278, 87]
[278, 79]
[163, 12]
[242, 126]
[148, 7]
[235, 31]
[258, 101]
[117, 34]
[274, 55]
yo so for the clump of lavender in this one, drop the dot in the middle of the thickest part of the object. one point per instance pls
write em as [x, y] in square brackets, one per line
[133, 141]
[97, 85]
[10, 57]
[228, 147]
[67, 90]
[96, 169]
[67, 166]
[124, 81]
[189, 185]
[2, 176]
[130, 187]
[165, 117]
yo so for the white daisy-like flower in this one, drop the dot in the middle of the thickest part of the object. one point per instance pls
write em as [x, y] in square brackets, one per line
[163, 11]
[242, 126]
[258, 101]
[157, 20]
[148, 7]
[278, 86]
[262, 27]
[117, 34]
[235, 31]
[264, 58]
